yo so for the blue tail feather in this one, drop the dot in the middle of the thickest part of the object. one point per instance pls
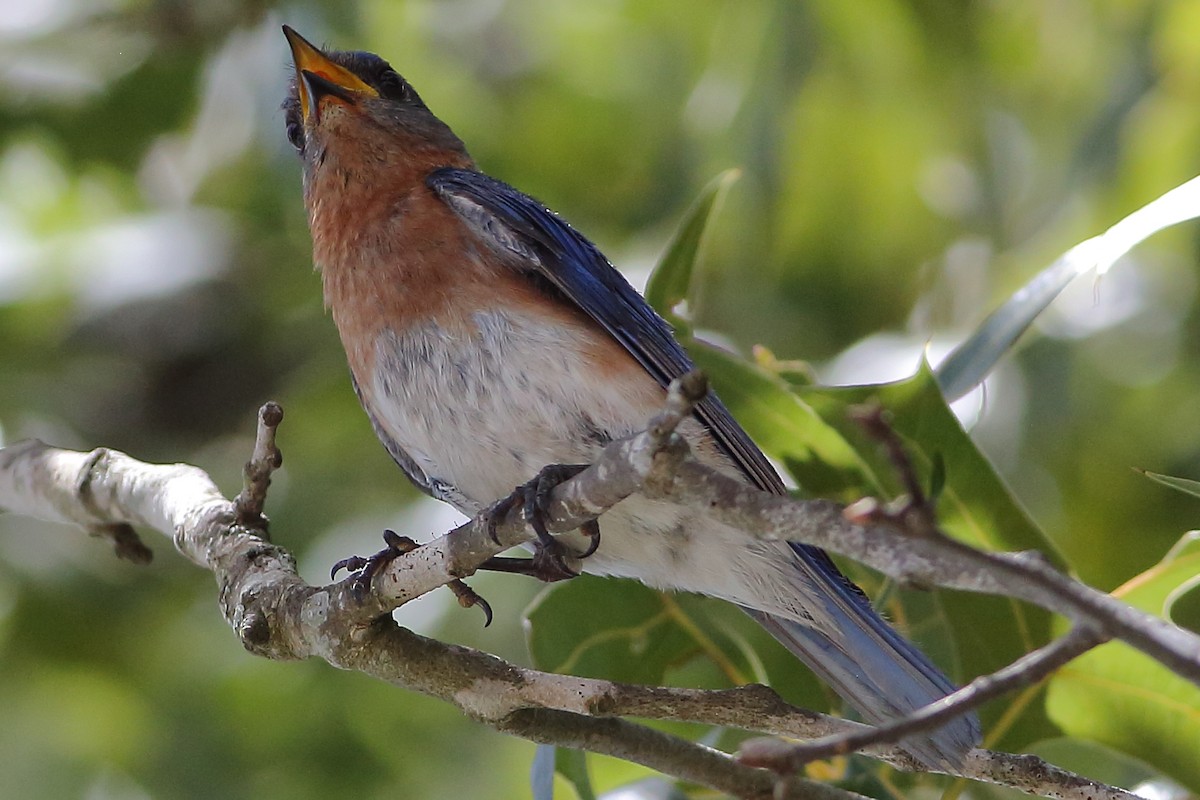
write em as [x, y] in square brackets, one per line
[873, 667]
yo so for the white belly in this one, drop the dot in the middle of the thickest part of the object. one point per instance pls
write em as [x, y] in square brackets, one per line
[485, 413]
[482, 415]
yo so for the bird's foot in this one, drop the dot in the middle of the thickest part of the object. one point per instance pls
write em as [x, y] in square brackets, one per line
[366, 568]
[546, 565]
[550, 555]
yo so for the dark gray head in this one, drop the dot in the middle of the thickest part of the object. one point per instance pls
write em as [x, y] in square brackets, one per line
[355, 102]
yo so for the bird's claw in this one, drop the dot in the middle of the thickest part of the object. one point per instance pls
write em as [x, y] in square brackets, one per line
[366, 568]
[351, 564]
[550, 555]
[591, 529]
[468, 597]
[500, 509]
[537, 502]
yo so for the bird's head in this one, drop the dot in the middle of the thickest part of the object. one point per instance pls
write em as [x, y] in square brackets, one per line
[351, 111]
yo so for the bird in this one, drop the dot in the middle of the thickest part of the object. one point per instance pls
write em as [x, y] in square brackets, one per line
[487, 339]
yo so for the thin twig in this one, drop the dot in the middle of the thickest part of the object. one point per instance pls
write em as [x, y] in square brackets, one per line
[787, 758]
[932, 561]
[875, 421]
[256, 474]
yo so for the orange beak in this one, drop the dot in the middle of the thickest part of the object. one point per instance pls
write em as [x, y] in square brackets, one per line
[318, 77]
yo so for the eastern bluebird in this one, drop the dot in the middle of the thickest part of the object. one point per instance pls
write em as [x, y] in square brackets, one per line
[486, 339]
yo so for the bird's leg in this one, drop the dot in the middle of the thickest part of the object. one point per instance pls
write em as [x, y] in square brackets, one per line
[368, 568]
[549, 562]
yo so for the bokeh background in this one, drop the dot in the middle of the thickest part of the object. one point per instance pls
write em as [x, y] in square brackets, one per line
[907, 164]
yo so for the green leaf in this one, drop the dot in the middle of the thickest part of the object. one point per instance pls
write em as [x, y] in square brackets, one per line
[572, 766]
[937, 477]
[1122, 698]
[1182, 605]
[1184, 485]
[785, 426]
[971, 362]
[647, 789]
[651, 637]
[633, 640]
[975, 505]
[669, 282]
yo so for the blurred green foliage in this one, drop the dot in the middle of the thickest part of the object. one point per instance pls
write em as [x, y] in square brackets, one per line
[1121, 697]
[905, 166]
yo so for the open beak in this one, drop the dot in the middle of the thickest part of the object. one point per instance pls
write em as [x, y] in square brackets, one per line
[317, 77]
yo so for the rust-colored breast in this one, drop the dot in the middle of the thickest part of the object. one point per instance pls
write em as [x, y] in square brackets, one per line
[391, 260]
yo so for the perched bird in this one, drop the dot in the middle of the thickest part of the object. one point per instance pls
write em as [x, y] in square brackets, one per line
[488, 339]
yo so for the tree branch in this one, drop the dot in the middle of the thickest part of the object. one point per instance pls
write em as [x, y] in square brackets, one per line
[933, 561]
[657, 464]
[663, 752]
[279, 616]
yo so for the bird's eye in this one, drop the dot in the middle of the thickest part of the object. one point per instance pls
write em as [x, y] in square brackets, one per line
[295, 133]
[392, 86]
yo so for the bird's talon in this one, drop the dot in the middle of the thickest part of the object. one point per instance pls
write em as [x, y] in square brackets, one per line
[592, 529]
[351, 564]
[487, 612]
[534, 510]
[550, 556]
[468, 597]
[537, 502]
[550, 562]
[546, 569]
[365, 569]
[499, 511]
